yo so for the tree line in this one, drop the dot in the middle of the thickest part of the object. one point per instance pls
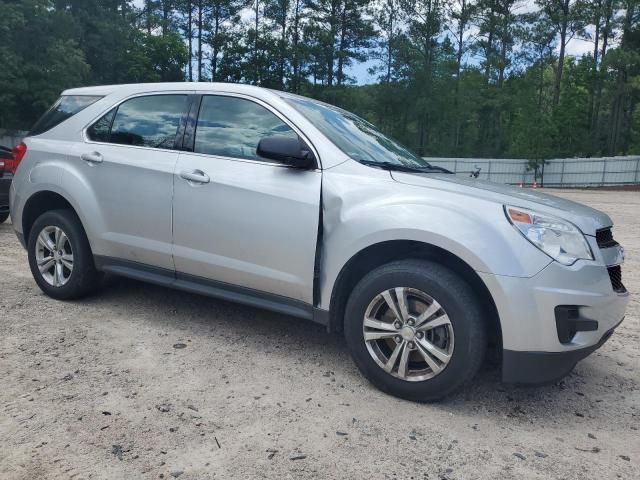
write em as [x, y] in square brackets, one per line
[463, 78]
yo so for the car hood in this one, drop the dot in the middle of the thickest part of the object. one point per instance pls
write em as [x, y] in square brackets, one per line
[586, 218]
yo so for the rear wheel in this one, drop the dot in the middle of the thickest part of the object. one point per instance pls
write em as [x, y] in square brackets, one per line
[60, 257]
[415, 329]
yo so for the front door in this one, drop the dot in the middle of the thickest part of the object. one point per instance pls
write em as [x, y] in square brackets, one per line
[238, 218]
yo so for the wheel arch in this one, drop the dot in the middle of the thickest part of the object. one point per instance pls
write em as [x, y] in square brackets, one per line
[384, 252]
[41, 202]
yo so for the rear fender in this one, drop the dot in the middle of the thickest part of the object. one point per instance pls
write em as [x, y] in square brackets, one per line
[62, 178]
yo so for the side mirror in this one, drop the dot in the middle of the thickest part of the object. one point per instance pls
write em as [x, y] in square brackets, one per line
[288, 150]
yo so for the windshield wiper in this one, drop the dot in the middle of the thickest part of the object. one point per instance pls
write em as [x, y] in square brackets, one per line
[434, 168]
[404, 168]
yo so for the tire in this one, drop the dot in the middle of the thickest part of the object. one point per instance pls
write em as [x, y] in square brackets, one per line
[73, 283]
[3, 217]
[461, 340]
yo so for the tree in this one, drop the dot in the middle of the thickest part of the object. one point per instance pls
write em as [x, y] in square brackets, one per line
[224, 14]
[156, 58]
[567, 17]
[606, 19]
[297, 51]
[325, 23]
[278, 12]
[424, 26]
[44, 58]
[453, 77]
[200, 6]
[186, 10]
[538, 37]
[388, 20]
[625, 60]
[355, 34]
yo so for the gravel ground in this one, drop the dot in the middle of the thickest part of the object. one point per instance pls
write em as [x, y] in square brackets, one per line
[145, 382]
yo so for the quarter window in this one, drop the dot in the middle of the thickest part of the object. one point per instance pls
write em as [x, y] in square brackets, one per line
[99, 131]
[149, 121]
[233, 127]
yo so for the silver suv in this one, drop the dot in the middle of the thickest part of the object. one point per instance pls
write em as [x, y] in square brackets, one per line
[289, 204]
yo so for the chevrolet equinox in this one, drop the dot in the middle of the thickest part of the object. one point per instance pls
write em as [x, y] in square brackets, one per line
[289, 204]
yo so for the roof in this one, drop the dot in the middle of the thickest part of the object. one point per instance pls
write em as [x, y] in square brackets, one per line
[133, 88]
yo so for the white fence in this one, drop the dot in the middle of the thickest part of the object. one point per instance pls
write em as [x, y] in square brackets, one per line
[568, 172]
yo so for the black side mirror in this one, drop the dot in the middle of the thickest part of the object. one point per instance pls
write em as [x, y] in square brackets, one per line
[290, 151]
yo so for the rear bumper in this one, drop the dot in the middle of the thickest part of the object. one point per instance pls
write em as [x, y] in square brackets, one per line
[538, 368]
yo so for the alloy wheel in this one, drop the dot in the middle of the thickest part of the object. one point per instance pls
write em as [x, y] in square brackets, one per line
[54, 256]
[408, 334]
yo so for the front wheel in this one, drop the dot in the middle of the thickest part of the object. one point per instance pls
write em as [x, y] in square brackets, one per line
[415, 329]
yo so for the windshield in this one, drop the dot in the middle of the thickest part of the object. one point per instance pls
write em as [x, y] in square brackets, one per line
[356, 137]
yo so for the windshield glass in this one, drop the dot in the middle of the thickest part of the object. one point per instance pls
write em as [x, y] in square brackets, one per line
[356, 137]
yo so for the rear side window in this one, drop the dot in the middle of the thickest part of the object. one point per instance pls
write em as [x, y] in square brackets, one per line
[233, 127]
[150, 121]
[66, 107]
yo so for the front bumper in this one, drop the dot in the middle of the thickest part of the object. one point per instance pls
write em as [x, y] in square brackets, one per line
[538, 368]
[531, 340]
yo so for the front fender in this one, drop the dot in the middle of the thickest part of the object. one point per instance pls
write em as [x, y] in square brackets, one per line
[361, 212]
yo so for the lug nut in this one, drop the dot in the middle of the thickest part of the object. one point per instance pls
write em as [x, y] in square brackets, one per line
[397, 325]
[411, 322]
[412, 345]
[419, 334]
[397, 338]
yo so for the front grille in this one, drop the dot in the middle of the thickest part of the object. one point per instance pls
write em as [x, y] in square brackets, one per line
[615, 274]
[605, 239]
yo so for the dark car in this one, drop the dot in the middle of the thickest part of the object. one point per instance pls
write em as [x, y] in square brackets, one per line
[6, 162]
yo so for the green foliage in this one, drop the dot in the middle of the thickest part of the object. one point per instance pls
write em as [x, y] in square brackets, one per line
[153, 58]
[465, 78]
[36, 65]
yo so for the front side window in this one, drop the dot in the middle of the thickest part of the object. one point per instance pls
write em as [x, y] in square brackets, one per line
[150, 121]
[66, 107]
[233, 127]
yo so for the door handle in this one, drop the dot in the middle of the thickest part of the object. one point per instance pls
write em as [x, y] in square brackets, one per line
[93, 157]
[196, 176]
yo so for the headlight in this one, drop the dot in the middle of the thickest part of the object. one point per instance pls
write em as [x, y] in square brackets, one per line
[559, 239]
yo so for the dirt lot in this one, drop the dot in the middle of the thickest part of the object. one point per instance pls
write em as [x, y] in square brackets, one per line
[144, 382]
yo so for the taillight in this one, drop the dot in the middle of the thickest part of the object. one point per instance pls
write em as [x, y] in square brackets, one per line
[19, 152]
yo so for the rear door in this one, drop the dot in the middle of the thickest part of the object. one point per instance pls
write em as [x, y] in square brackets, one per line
[129, 157]
[238, 218]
